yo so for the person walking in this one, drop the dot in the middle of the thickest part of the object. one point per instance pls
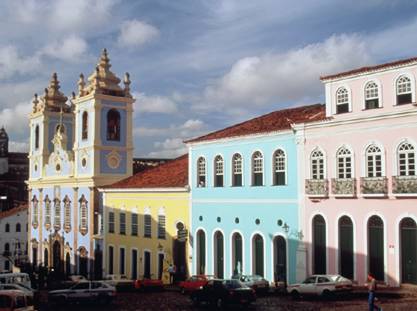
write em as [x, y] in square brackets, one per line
[171, 270]
[371, 293]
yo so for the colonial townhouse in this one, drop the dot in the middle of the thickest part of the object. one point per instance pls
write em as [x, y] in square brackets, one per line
[360, 177]
[245, 198]
[146, 223]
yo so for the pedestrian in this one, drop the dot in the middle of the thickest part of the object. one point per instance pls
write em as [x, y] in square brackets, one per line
[371, 293]
[171, 270]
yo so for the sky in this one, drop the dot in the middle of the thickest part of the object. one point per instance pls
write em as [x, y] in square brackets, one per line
[196, 65]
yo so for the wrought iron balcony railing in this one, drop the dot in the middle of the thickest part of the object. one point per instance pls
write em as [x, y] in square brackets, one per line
[344, 187]
[404, 185]
[317, 187]
[374, 185]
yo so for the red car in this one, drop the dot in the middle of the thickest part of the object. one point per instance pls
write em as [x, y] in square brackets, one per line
[195, 282]
[149, 284]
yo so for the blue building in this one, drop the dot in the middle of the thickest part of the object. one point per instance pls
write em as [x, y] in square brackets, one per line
[75, 147]
[245, 198]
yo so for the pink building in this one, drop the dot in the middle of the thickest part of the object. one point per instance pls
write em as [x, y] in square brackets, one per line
[360, 210]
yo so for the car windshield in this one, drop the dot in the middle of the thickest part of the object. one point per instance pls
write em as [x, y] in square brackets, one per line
[310, 280]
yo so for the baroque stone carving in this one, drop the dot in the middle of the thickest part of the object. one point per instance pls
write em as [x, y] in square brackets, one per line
[404, 184]
[344, 186]
[317, 187]
[374, 185]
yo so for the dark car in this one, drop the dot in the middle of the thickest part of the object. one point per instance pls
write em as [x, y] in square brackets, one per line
[256, 282]
[218, 293]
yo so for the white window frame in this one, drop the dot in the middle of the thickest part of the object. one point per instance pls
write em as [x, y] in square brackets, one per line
[200, 172]
[253, 168]
[275, 168]
[413, 87]
[381, 152]
[344, 156]
[407, 164]
[57, 213]
[233, 169]
[218, 170]
[379, 90]
[349, 98]
[313, 157]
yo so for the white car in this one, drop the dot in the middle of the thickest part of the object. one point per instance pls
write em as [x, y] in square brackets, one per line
[120, 282]
[321, 285]
[84, 291]
[26, 290]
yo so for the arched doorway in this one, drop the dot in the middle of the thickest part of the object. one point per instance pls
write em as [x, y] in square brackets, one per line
[346, 247]
[280, 259]
[218, 255]
[237, 253]
[56, 256]
[201, 252]
[408, 233]
[83, 262]
[258, 255]
[376, 247]
[319, 245]
[68, 263]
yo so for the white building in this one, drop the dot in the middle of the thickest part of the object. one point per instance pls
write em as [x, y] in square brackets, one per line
[13, 237]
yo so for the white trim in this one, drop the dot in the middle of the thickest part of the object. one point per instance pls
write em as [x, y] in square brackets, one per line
[232, 250]
[410, 75]
[364, 162]
[251, 254]
[318, 148]
[215, 230]
[363, 97]
[273, 166]
[396, 159]
[251, 168]
[214, 168]
[232, 169]
[197, 175]
[352, 159]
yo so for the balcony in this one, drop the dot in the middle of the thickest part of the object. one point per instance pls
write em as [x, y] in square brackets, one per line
[374, 186]
[344, 187]
[318, 188]
[404, 185]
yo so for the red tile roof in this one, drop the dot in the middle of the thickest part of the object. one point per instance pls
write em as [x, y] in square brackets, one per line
[171, 174]
[14, 210]
[370, 68]
[271, 122]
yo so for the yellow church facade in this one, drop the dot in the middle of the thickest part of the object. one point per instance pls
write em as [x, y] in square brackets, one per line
[145, 223]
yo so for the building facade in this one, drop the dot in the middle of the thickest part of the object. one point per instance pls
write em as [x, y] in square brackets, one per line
[360, 176]
[13, 238]
[146, 223]
[245, 198]
[75, 148]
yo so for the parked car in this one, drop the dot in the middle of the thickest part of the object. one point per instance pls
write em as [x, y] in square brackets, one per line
[321, 284]
[27, 291]
[15, 278]
[218, 293]
[194, 282]
[120, 282]
[14, 300]
[149, 284]
[70, 281]
[256, 282]
[84, 291]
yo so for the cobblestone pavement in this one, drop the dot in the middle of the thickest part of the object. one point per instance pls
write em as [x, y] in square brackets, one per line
[171, 300]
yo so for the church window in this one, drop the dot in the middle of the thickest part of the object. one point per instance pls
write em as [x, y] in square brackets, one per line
[113, 125]
[35, 211]
[83, 214]
[67, 213]
[47, 212]
[37, 137]
[84, 134]
[57, 210]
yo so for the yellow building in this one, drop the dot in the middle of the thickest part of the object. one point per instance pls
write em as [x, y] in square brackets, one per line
[146, 221]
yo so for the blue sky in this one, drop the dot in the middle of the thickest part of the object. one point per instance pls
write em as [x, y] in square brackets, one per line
[196, 66]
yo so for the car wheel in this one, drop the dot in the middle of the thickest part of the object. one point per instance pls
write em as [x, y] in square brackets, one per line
[219, 303]
[295, 294]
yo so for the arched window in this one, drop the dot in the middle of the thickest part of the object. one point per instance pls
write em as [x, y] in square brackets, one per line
[7, 227]
[18, 227]
[408, 250]
[406, 160]
[201, 252]
[237, 170]
[342, 100]
[371, 95]
[84, 130]
[346, 247]
[67, 214]
[57, 214]
[319, 245]
[113, 125]
[257, 169]
[161, 224]
[218, 173]
[317, 165]
[83, 214]
[258, 255]
[201, 172]
[218, 254]
[376, 247]
[35, 211]
[404, 93]
[344, 163]
[237, 253]
[37, 137]
[47, 212]
[279, 168]
[373, 161]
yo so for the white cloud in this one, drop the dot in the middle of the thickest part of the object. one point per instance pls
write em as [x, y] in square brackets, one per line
[282, 77]
[17, 146]
[154, 104]
[135, 33]
[72, 49]
[16, 119]
[169, 148]
[11, 62]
